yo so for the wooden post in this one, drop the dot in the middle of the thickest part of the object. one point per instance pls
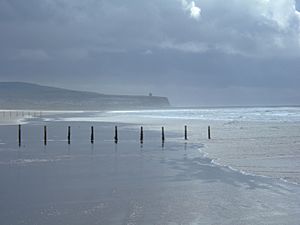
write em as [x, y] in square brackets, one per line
[69, 135]
[163, 134]
[116, 134]
[45, 135]
[142, 135]
[92, 134]
[20, 135]
[208, 132]
[185, 132]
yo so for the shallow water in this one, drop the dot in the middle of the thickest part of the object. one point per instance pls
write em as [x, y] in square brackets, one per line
[130, 182]
[262, 140]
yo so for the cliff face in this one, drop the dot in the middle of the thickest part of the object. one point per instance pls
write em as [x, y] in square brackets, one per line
[17, 95]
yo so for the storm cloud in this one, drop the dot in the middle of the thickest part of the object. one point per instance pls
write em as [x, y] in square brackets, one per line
[201, 52]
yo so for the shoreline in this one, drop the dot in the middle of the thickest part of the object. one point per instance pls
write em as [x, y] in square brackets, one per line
[263, 149]
[230, 140]
[217, 149]
[85, 183]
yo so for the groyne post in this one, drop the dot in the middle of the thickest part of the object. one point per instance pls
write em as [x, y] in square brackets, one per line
[163, 134]
[142, 135]
[116, 134]
[92, 134]
[69, 135]
[185, 132]
[45, 135]
[208, 132]
[20, 135]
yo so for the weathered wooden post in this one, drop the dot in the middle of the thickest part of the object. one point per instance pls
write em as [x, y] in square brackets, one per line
[185, 132]
[116, 134]
[45, 135]
[142, 135]
[163, 134]
[92, 134]
[69, 135]
[208, 132]
[20, 135]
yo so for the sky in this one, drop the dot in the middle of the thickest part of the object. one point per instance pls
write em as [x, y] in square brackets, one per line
[197, 53]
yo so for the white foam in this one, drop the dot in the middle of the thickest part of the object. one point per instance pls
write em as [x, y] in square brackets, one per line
[27, 161]
[246, 173]
[263, 114]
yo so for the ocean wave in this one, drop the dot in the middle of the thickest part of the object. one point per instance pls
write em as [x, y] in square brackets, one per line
[231, 115]
[217, 162]
[280, 114]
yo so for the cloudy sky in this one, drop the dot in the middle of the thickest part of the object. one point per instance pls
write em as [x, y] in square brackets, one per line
[201, 52]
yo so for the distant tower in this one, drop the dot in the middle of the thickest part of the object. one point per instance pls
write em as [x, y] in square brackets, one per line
[150, 94]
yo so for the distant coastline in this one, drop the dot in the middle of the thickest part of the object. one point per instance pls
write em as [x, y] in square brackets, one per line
[19, 95]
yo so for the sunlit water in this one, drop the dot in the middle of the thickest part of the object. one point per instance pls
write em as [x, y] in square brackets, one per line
[265, 114]
[280, 114]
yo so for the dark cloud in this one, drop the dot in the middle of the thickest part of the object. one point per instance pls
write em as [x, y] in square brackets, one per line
[233, 52]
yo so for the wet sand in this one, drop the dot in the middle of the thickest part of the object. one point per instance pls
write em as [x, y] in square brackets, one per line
[130, 183]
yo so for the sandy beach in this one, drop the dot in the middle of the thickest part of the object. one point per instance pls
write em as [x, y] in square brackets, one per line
[198, 181]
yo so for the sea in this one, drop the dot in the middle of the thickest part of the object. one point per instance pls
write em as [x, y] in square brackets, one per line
[247, 114]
